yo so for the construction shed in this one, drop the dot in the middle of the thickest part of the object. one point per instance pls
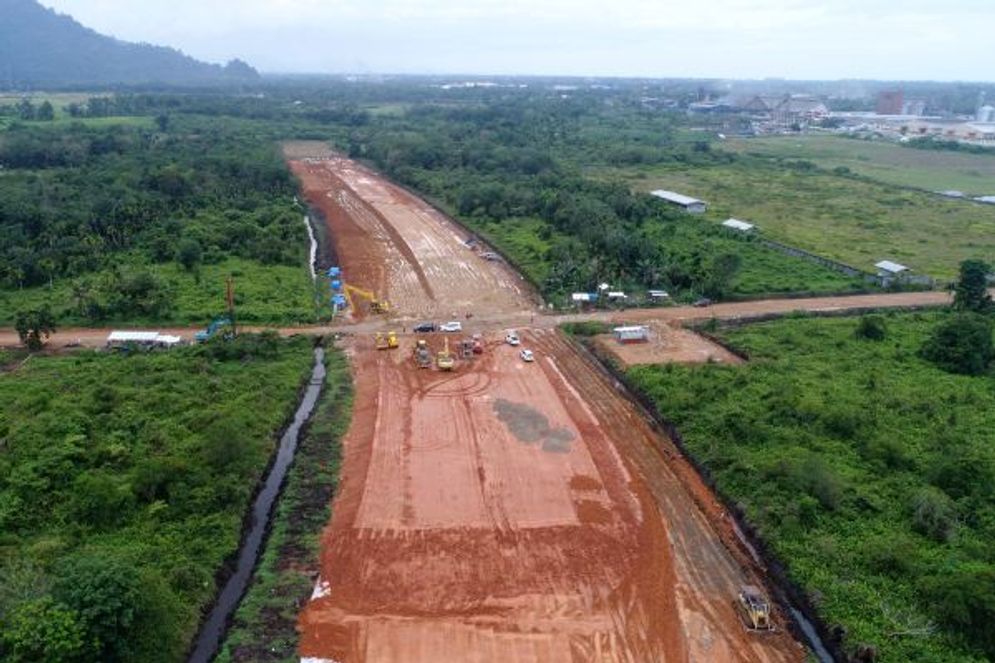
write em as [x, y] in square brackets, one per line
[636, 334]
[739, 226]
[690, 205]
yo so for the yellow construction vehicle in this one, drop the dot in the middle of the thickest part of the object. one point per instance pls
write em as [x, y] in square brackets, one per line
[376, 305]
[755, 609]
[386, 341]
[445, 360]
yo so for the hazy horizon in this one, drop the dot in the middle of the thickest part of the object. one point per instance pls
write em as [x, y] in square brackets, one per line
[723, 39]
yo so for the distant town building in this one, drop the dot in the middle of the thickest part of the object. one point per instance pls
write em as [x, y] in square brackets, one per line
[915, 107]
[787, 110]
[985, 114]
[690, 205]
[890, 102]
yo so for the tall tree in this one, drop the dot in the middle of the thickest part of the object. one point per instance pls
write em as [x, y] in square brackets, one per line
[972, 287]
[34, 326]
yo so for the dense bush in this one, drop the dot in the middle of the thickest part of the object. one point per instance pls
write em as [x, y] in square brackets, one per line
[124, 480]
[868, 470]
[75, 196]
[962, 344]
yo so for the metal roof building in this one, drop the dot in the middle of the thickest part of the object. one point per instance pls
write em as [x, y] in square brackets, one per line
[692, 205]
[890, 267]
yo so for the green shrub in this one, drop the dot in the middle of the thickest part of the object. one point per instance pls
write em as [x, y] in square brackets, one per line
[962, 344]
[871, 328]
[43, 631]
[965, 599]
[934, 514]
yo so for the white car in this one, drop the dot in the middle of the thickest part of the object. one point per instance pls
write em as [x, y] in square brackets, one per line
[451, 326]
[512, 339]
[527, 355]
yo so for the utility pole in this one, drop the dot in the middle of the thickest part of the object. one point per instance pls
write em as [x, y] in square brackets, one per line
[230, 299]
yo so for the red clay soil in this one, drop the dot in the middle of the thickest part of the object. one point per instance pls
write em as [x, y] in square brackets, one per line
[494, 514]
[668, 343]
[401, 248]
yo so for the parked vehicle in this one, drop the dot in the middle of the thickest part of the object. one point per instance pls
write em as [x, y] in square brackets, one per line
[451, 326]
[511, 338]
[527, 356]
[703, 302]
[424, 327]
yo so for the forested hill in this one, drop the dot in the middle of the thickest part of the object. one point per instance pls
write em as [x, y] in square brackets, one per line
[40, 48]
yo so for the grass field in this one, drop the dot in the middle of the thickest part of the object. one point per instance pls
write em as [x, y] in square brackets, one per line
[932, 170]
[868, 471]
[264, 294]
[849, 220]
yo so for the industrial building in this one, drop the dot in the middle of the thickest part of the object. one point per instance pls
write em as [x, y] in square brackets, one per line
[690, 205]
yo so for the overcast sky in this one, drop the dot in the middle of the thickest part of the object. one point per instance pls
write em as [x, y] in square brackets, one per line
[826, 39]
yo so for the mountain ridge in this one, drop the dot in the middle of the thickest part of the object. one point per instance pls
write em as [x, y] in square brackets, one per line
[40, 47]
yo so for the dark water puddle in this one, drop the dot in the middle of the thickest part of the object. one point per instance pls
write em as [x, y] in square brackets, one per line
[530, 426]
[213, 629]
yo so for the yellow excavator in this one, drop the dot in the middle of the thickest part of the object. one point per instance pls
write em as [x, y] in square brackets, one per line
[386, 341]
[376, 305]
[445, 360]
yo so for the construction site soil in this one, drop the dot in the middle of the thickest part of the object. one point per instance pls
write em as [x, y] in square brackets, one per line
[404, 250]
[667, 343]
[504, 511]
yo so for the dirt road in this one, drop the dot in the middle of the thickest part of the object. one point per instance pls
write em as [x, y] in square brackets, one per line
[505, 511]
[518, 512]
[95, 338]
[403, 249]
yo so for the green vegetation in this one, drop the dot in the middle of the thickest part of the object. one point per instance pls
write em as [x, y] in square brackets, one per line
[264, 628]
[869, 471]
[852, 220]
[136, 294]
[879, 160]
[124, 481]
[127, 223]
[512, 171]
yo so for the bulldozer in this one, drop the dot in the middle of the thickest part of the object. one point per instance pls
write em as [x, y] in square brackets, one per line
[755, 609]
[386, 341]
[422, 355]
[377, 305]
[445, 361]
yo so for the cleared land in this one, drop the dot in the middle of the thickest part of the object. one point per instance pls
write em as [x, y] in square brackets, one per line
[846, 219]
[932, 170]
[668, 344]
[499, 513]
[396, 245]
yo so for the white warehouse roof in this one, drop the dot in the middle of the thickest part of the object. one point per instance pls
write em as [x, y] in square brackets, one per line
[889, 266]
[674, 197]
[736, 224]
